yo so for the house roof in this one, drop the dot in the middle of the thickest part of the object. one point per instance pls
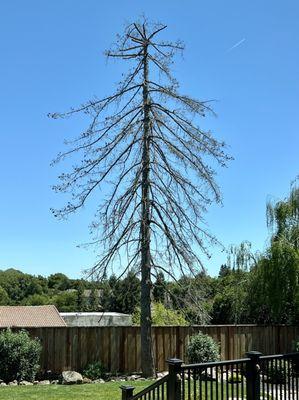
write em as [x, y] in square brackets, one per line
[30, 316]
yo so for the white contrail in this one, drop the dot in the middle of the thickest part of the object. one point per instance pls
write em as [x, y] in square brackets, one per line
[236, 45]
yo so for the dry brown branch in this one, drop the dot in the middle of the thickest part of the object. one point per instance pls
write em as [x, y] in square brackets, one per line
[145, 154]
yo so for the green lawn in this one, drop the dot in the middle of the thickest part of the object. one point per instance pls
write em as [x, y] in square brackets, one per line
[101, 391]
[104, 391]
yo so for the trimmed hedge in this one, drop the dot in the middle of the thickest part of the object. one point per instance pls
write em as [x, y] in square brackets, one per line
[202, 348]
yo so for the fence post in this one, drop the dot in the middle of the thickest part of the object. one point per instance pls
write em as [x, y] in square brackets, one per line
[126, 392]
[174, 380]
[253, 375]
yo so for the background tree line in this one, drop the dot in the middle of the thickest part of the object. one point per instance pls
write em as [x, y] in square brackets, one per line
[250, 288]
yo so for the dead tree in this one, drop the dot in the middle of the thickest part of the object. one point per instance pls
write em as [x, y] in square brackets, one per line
[146, 153]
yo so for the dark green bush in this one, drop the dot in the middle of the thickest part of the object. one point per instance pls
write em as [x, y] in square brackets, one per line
[19, 356]
[94, 371]
[202, 348]
[296, 345]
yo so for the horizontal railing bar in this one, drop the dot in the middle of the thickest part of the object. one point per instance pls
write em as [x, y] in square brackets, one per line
[279, 356]
[237, 361]
[215, 363]
[148, 389]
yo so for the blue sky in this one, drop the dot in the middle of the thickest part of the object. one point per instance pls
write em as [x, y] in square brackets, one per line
[51, 58]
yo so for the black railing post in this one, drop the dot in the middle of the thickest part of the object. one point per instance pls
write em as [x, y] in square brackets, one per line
[126, 392]
[253, 375]
[174, 380]
[295, 361]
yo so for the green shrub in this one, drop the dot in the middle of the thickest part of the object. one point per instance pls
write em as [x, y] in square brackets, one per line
[162, 316]
[202, 348]
[19, 355]
[296, 345]
[94, 371]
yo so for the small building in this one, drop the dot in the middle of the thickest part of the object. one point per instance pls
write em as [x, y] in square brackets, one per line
[96, 319]
[30, 317]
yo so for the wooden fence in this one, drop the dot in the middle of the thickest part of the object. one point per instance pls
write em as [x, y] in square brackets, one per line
[118, 348]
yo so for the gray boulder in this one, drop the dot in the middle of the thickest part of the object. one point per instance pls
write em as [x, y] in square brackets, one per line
[71, 378]
[25, 383]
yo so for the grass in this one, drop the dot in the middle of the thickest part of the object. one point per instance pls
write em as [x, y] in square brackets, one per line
[100, 391]
[103, 391]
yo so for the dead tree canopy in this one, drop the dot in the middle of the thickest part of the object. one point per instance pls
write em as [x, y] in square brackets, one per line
[181, 182]
[146, 157]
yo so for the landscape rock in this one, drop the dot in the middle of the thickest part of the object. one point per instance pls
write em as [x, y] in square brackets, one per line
[45, 382]
[162, 374]
[71, 377]
[86, 380]
[25, 383]
[3, 384]
[98, 381]
[132, 377]
[13, 383]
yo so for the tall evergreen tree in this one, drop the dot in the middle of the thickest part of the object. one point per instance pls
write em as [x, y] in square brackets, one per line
[93, 300]
[81, 298]
[159, 290]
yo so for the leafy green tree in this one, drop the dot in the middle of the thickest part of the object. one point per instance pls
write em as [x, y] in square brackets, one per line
[224, 270]
[162, 316]
[241, 257]
[59, 282]
[229, 305]
[283, 218]
[65, 301]
[43, 283]
[278, 273]
[121, 295]
[274, 288]
[37, 300]
[19, 285]
[4, 298]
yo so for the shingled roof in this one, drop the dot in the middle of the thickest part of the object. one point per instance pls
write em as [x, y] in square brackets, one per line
[30, 316]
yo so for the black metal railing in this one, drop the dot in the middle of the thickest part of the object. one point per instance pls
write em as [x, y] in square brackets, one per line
[156, 391]
[279, 376]
[214, 381]
[256, 377]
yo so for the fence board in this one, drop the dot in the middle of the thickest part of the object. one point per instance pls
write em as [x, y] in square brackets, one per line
[119, 348]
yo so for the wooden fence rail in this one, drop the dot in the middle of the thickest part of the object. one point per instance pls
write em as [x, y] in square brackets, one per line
[118, 348]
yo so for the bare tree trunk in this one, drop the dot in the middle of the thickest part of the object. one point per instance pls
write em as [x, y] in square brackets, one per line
[147, 358]
[145, 140]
